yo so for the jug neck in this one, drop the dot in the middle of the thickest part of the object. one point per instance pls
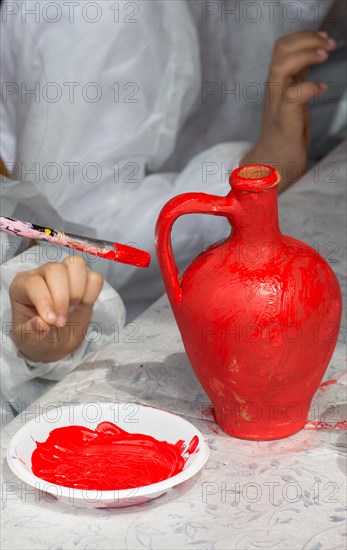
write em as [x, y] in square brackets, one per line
[254, 190]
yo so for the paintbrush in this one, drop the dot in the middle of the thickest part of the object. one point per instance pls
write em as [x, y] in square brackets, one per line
[104, 249]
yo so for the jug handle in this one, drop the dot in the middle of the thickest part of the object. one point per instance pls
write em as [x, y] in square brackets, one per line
[187, 203]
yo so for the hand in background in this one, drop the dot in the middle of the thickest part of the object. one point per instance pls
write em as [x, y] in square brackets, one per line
[284, 137]
[51, 307]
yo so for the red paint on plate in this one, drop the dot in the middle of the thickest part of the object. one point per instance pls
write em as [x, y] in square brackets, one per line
[107, 458]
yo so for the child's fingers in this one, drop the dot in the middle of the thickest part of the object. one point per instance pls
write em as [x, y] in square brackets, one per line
[93, 288]
[31, 290]
[48, 292]
[305, 40]
[57, 281]
[77, 275]
[303, 92]
[36, 324]
[290, 65]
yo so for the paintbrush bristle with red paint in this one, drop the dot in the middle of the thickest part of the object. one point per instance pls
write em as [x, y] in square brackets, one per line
[104, 249]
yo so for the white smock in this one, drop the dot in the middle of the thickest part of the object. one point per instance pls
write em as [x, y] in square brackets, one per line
[109, 110]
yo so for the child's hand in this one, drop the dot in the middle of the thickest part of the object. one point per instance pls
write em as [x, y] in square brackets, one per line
[284, 136]
[51, 306]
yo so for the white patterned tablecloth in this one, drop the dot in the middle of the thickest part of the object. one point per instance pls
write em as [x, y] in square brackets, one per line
[284, 494]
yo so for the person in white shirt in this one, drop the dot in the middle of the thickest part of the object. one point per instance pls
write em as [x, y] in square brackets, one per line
[110, 111]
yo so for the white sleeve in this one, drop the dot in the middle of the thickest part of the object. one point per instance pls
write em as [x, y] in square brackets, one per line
[207, 172]
[22, 382]
[125, 139]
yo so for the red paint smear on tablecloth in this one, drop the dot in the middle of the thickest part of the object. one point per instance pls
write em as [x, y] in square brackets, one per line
[212, 428]
[210, 411]
[107, 458]
[320, 425]
[327, 383]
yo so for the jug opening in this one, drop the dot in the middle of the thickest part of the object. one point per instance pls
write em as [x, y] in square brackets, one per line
[254, 178]
[255, 172]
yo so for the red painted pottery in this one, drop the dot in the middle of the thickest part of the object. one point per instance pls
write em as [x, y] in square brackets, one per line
[259, 312]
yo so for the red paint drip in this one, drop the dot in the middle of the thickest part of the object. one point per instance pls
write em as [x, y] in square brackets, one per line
[107, 458]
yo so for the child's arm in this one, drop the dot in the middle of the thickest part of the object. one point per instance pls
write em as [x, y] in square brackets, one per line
[51, 307]
[25, 373]
[3, 169]
[284, 137]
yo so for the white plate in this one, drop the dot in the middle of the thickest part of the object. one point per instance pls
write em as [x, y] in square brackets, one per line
[133, 418]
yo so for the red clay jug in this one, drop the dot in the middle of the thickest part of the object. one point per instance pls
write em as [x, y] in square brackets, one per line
[259, 313]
